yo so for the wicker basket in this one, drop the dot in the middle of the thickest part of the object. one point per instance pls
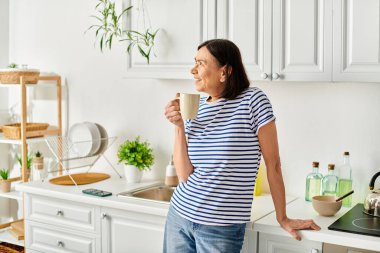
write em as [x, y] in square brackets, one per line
[9, 248]
[12, 76]
[13, 131]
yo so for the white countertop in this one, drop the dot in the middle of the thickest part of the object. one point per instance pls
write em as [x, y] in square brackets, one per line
[262, 205]
[300, 209]
[263, 217]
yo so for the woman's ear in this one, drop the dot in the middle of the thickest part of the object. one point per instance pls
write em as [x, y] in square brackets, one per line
[226, 72]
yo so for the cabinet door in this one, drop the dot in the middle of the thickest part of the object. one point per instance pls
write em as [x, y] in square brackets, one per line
[248, 24]
[183, 26]
[280, 244]
[357, 40]
[250, 241]
[302, 40]
[124, 231]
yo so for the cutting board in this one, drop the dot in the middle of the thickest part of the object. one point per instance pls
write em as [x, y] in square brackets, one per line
[80, 178]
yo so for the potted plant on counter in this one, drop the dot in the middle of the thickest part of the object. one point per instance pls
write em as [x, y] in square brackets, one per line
[136, 156]
[5, 182]
[38, 161]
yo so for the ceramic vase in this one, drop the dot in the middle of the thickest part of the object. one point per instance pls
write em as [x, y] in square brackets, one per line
[132, 174]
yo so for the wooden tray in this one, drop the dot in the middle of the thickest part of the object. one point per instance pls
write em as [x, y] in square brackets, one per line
[80, 178]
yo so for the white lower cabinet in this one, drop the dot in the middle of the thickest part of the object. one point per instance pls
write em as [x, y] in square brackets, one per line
[126, 231]
[250, 241]
[49, 238]
[268, 243]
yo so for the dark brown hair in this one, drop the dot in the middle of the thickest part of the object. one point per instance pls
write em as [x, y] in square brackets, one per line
[228, 54]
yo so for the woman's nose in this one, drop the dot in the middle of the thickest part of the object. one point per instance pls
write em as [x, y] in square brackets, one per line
[193, 70]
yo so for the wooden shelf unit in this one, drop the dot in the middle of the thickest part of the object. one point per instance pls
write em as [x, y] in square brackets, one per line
[5, 235]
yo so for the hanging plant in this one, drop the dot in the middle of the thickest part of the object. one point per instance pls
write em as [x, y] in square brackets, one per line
[144, 42]
[109, 26]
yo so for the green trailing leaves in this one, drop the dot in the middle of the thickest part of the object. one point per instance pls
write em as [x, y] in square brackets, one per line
[143, 41]
[137, 153]
[109, 27]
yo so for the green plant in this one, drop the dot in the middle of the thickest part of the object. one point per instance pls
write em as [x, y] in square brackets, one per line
[4, 174]
[144, 42]
[109, 26]
[29, 159]
[12, 65]
[38, 154]
[136, 153]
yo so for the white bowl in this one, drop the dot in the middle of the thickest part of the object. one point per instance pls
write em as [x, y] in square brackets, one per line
[85, 138]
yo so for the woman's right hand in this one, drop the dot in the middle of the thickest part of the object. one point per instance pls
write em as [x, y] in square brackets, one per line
[172, 112]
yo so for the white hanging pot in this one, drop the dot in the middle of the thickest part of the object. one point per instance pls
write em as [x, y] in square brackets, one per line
[132, 174]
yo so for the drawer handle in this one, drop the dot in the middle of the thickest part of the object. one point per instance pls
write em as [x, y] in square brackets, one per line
[60, 244]
[104, 215]
[59, 212]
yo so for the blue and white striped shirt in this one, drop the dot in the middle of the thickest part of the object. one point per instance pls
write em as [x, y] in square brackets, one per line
[224, 149]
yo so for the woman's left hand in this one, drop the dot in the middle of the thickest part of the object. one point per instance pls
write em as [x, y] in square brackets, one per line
[292, 225]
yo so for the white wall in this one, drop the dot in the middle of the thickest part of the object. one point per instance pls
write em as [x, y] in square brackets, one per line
[316, 121]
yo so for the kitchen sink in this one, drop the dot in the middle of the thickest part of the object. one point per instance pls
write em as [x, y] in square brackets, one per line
[158, 193]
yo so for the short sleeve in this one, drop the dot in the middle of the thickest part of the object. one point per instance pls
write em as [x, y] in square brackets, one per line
[260, 109]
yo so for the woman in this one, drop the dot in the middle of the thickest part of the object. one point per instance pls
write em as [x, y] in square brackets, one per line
[217, 156]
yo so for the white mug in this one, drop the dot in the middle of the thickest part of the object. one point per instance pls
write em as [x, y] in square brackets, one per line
[189, 104]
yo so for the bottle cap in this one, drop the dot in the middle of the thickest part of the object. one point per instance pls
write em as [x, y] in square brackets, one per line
[331, 166]
[346, 153]
[315, 164]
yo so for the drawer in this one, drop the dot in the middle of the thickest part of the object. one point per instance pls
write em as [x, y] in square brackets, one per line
[69, 214]
[32, 251]
[51, 239]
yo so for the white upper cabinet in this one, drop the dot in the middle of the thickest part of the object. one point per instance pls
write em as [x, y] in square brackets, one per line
[289, 40]
[302, 40]
[280, 40]
[356, 40]
[245, 22]
[183, 26]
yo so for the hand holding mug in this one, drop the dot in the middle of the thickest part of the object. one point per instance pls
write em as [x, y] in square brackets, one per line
[172, 112]
[184, 106]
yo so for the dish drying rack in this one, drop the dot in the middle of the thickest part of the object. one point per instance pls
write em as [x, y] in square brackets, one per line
[67, 153]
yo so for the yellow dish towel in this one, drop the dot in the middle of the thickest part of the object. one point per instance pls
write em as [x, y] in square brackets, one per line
[258, 186]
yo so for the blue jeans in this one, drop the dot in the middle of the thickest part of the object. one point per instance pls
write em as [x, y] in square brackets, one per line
[184, 236]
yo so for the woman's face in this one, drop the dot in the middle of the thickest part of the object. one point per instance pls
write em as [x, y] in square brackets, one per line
[209, 77]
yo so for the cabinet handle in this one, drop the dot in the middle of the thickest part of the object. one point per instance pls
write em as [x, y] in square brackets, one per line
[314, 251]
[104, 215]
[264, 75]
[60, 244]
[275, 76]
[59, 212]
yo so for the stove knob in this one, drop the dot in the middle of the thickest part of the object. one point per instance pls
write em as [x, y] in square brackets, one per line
[314, 251]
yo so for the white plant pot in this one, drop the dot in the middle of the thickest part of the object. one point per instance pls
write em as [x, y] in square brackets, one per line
[132, 174]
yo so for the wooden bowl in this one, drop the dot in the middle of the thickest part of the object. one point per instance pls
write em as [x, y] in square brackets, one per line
[326, 205]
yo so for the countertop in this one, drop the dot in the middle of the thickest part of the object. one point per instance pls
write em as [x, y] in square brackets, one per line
[263, 217]
[300, 209]
[262, 205]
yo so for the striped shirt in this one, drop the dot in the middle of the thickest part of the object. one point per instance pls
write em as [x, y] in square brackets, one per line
[224, 149]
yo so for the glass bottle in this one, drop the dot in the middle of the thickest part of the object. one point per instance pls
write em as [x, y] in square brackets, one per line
[330, 182]
[313, 182]
[345, 179]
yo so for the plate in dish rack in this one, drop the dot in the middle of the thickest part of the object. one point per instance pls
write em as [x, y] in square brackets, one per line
[85, 137]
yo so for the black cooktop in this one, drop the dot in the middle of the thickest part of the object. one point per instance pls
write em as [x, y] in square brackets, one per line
[357, 222]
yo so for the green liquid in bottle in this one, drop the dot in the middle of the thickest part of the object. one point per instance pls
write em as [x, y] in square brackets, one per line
[344, 186]
[313, 188]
